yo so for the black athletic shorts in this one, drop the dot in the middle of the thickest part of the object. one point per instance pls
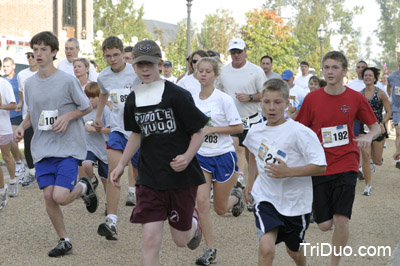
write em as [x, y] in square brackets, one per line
[335, 196]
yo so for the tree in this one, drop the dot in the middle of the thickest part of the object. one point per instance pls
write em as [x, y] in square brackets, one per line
[176, 51]
[389, 31]
[120, 18]
[266, 33]
[307, 15]
[216, 31]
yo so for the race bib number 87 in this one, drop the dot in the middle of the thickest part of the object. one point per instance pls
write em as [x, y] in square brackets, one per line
[335, 136]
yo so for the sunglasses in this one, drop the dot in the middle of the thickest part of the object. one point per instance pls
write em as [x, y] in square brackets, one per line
[30, 56]
[235, 51]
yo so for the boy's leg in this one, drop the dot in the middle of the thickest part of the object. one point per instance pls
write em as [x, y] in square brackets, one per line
[266, 249]
[298, 257]
[182, 238]
[10, 164]
[340, 235]
[132, 175]
[151, 243]
[54, 211]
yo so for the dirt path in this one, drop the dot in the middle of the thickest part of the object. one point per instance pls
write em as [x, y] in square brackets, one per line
[26, 234]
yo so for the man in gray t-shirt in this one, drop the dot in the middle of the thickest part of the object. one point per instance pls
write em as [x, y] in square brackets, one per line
[56, 105]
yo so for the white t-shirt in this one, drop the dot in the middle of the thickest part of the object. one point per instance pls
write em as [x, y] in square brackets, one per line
[302, 81]
[247, 79]
[68, 67]
[358, 85]
[22, 77]
[118, 86]
[191, 84]
[221, 110]
[274, 75]
[171, 78]
[296, 95]
[299, 146]
[7, 96]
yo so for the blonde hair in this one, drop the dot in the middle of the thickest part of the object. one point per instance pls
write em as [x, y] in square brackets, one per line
[81, 59]
[214, 63]
[276, 85]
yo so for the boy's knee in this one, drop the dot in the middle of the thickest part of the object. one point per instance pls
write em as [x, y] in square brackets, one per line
[203, 204]
[325, 226]
[220, 210]
[266, 249]
[59, 199]
[340, 221]
[295, 255]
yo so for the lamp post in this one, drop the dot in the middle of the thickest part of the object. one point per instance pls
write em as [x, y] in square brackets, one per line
[189, 5]
[321, 31]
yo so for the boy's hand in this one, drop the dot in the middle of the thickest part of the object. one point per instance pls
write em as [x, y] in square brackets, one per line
[90, 128]
[18, 108]
[179, 163]
[61, 124]
[97, 124]
[116, 175]
[19, 134]
[246, 193]
[208, 130]
[363, 141]
[277, 170]
[396, 155]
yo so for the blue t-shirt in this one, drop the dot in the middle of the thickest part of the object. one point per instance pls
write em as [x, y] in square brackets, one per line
[14, 84]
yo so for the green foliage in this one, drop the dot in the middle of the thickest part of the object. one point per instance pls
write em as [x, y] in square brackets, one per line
[389, 31]
[216, 31]
[306, 17]
[117, 17]
[265, 33]
[176, 51]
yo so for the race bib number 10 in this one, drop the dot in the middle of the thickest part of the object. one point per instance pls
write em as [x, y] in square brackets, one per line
[335, 136]
[47, 119]
[119, 96]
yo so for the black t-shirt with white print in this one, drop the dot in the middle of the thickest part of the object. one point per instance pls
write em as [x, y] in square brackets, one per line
[166, 130]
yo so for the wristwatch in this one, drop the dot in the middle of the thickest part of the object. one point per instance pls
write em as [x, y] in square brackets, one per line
[251, 97]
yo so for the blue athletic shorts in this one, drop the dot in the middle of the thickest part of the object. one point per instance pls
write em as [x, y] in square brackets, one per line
[117, 141]
[396, 118]
[291, 230]
[102, 166]
[55, 171]
[222, 167]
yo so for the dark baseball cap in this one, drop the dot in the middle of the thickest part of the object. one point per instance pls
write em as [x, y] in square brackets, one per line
[168, 63]
[146, 50]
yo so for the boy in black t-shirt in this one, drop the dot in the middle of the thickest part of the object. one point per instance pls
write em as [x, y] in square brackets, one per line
[167, 126]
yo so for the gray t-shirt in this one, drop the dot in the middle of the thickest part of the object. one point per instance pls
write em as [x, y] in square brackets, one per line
[96, 142]
[394, 82]
[60, 92]
[118, 86]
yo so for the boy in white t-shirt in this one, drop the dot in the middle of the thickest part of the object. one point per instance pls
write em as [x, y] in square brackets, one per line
[286, 154]
[7, 103]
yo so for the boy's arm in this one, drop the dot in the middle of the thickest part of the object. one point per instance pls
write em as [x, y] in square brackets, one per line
[100, 108]
[60, 125]
[19, 105]
[180, 162]
[282, 170]
[9, 106]
[365, 140]
[131, 148]
[19, 132]
[252, 175]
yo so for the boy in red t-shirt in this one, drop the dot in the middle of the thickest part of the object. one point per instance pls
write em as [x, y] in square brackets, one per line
[330, 112]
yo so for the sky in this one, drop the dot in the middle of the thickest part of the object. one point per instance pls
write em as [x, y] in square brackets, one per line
[173, 11]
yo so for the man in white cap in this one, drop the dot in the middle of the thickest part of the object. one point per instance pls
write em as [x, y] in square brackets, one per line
[243, 81]
[71, 51]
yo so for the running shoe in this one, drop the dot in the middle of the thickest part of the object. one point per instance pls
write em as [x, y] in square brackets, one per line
[108, 230]
[63, 248]
[209, 257]
[95, 183]
[238, 208]
[251, 204]
[373, 168]
[29, 180]
[90, 197]
[367, 190]
[360, 174]
[19, 169]
[130, 199]
[3, 197]
[398, 164]
[196, 240]
[13, 189]
[240, 181]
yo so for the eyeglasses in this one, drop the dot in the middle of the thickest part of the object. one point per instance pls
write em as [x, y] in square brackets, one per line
[194, 61]
[30, 56]
[235, 51]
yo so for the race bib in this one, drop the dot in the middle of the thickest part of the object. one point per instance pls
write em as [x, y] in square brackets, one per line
[268, 154]
[335, 136]
[397, 90]
[210, 141]
[119, 96]
[47, 119]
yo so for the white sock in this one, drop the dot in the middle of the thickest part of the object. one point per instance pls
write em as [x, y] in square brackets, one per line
[68, 239]
[132, 189]
[20, 162]
[84, 188]
[31, 171]
[13, 181]
[195, 222]
[113, 218]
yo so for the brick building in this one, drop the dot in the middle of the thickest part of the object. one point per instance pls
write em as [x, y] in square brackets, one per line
[25, 18]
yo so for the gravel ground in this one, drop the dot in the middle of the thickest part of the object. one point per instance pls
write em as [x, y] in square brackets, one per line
[26, 234]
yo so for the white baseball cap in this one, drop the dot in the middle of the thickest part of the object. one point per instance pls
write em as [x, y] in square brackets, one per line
[236, 43]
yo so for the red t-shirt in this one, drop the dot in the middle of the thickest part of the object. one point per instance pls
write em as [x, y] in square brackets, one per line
[322, 110]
